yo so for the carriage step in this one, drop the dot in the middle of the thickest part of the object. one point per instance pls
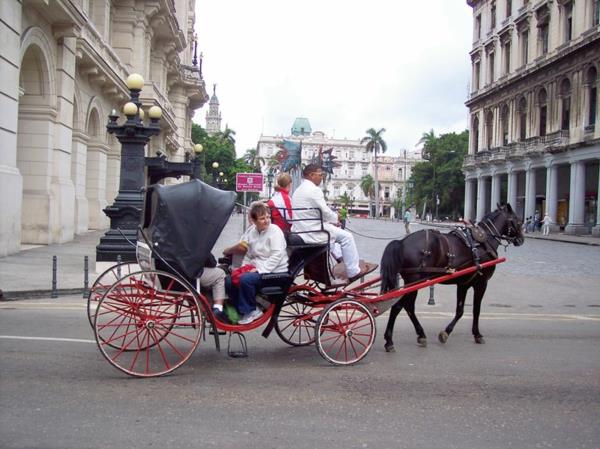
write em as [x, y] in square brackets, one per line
[243, 351]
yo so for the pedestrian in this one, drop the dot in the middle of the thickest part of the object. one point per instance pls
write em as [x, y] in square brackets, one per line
[528, 224]
[547, 221]
[343, 213]
[537, 224]
[406, 220]
[281, 204]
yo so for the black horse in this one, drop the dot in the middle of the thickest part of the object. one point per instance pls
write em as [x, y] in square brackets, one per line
[428, 254]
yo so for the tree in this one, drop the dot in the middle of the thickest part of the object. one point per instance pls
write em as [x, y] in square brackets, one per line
[252, 158]
[441, 175]
[367, 185]
[427, 140]
[345, 200]
[227, 135]
[374, 143]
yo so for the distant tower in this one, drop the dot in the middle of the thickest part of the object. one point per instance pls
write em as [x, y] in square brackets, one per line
[213, 116]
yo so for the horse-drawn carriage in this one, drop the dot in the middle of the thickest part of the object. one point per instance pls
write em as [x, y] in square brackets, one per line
[150, 317]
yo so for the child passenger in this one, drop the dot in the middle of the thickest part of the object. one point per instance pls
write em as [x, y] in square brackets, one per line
[264, 247]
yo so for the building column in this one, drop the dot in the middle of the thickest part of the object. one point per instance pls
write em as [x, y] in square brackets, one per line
[511, 189]
[577, 199]
[496, 179]
[596, 229]
[529, 192]
[469, 215]
[551, 196]
[481, 196]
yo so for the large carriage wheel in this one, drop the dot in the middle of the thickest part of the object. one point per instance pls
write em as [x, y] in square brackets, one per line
[104, 282]
[296, 321]
[345, 332]
[148, 324]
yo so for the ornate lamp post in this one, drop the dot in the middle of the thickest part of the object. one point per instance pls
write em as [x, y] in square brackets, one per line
[198, 163]
[215, 166]
[270, 176]
[125, 213]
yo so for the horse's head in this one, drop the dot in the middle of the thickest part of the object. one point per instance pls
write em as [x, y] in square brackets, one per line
[512, 228]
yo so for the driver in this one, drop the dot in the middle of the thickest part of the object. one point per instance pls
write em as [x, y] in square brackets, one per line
[309, 195]
[264, 247]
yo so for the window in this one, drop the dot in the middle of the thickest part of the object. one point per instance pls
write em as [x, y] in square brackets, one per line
[493, 16]
[508, 8]
[543, 111]
[565, 93]
[568, 21]
[543, 23]
[504, 118]
[478, 27]
[506, 47]
[525, 47]
[476, 72]
[522, 119]
[489, 130]
[491, 68]
[475, 134]
[595, 12]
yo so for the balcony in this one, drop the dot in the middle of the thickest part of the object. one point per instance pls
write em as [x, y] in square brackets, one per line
[499, 154]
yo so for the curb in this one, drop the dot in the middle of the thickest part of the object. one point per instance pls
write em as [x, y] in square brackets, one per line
[37, 294]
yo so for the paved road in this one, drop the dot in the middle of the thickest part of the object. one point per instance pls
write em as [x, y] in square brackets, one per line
[534, 384]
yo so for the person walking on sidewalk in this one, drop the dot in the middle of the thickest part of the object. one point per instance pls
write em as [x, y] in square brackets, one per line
[547, 221]
[406, 220]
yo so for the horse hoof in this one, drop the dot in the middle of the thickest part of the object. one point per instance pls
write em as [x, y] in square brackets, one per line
[479, 340]
[389, 348]
[443, 337]
[422, 341]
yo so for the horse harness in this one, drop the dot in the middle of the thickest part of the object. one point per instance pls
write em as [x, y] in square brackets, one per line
[474, 237]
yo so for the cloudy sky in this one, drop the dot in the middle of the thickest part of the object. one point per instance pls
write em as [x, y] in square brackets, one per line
[346, 65]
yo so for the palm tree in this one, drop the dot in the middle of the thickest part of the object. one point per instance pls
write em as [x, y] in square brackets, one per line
[375, 143]
[367, 185]
[252, 158]
[227, 135]
[427, 139]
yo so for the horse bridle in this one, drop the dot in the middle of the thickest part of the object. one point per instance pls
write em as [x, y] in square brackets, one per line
[497, 235]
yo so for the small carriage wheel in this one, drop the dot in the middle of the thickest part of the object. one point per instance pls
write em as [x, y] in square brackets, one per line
[345, 332]
[296, 321]
[104, 282]
[148, 323]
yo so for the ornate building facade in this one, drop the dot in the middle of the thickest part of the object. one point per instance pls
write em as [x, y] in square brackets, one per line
[63, 68]
[354, 163]
[213, 115]
[534, 119]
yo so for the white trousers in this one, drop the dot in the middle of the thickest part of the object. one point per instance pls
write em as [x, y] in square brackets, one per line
[214, 278]
[349, 251]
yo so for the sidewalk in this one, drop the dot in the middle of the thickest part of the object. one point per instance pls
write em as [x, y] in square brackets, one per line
[28, 273]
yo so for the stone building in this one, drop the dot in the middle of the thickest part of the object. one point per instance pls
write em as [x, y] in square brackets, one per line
[534, 130]
[354, 163]
[63, 68]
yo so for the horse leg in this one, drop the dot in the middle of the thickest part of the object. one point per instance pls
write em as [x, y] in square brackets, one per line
[389, 330]
[461, 294]
[409, 306]
[479, 288]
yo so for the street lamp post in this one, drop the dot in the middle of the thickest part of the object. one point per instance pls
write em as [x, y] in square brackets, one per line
[125, 212]
[198, 162]
[404, 186]
[270, 176]
[215, 166]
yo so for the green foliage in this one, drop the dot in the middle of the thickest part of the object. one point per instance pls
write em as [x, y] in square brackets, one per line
[440, 174]
[367, 185]
[345, 200]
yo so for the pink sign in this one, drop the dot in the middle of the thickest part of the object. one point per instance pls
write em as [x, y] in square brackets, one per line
[248, 182]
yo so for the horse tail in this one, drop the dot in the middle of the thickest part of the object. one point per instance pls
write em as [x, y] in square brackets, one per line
[391, 261]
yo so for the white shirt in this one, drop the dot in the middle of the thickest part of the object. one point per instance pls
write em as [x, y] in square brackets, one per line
[310, 195]
[266, 250]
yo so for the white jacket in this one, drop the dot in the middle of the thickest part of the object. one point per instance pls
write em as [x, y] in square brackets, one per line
[308, 195]
[266, 250]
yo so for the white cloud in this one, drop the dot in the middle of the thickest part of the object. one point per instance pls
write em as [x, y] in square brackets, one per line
[345, 65]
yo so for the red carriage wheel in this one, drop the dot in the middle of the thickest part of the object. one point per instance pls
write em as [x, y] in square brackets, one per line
[296, 321]
[104, 282]
[345, 332]
[148, 324]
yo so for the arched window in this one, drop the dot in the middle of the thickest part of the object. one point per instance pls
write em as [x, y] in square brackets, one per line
[565, 95]
[542, 100]
[504, 119]
[591, 80]
[475, 134]
[522, 119]
[489, 129]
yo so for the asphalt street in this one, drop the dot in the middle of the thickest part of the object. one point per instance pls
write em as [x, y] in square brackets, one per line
[534, 384]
